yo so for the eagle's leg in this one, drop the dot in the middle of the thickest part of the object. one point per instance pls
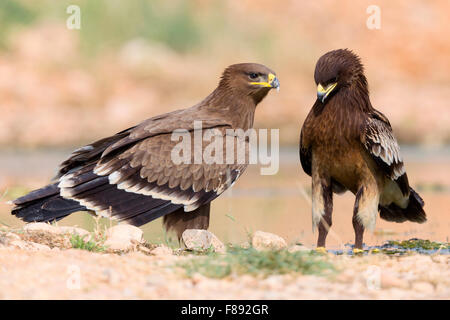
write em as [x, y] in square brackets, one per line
[326, 221]
[365, 211]
[180, 220]
[357, 225]
[322, 206]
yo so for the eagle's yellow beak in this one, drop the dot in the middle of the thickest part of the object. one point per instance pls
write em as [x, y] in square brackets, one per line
[322, 93]
[272, 82]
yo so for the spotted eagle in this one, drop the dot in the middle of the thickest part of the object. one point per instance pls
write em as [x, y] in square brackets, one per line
[131, 175]
[345, 144]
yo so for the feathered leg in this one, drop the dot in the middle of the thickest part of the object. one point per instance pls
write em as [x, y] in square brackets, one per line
[357, 225]
[365, 211]
[326, 221]
[322, 204]
[180, 220]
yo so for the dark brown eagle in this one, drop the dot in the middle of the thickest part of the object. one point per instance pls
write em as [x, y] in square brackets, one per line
[345, 144]
[130, 176]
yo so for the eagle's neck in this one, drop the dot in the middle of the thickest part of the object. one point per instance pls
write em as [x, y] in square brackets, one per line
[358, 94]
[343, 113]
[354, 97]
[237, 108]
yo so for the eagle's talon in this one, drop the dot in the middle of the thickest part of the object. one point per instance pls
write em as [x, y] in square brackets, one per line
[321, 250]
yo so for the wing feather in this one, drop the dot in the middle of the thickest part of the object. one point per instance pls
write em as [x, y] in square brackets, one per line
[378, 138]
[143, 174]
[305, 155]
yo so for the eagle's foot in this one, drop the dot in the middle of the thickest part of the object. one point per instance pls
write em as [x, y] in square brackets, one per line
[321, 250]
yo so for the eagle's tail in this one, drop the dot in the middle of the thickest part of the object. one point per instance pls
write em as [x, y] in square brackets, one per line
[414, 212]
[44, 205]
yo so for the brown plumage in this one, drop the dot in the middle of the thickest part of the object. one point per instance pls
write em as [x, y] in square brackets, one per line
[131, 176]
[345, 144]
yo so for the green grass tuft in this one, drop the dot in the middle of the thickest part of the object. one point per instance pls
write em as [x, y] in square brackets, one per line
[419, 244]
[240, 261]
[78, 242]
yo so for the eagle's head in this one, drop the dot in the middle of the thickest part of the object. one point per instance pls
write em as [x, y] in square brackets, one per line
[249, 79]
[337, 70]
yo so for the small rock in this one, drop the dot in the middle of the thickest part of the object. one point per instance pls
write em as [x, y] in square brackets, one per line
[196, 239]
[424, 287]
[42, 227]
[119, 244]
[123, 237]
[267, 241]
[161, 251]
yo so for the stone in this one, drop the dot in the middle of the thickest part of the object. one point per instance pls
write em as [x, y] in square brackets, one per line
[267, 241]
[123, 237]
[41, 227]
[197, 239]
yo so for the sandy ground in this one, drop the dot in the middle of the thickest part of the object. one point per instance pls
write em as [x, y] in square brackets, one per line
[80, 274]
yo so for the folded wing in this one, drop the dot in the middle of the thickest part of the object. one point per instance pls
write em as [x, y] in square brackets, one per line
[131, 176]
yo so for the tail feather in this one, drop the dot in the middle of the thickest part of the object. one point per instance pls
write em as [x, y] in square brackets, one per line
[414, 212]
[50, 190]
[44, 205]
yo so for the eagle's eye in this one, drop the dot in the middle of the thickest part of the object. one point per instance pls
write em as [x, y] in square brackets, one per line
[253, 75]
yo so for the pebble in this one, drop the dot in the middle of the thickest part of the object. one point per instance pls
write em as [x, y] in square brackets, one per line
[267, 241]
[197, 239]
[42, 227]
[123, 237]
[45, 227]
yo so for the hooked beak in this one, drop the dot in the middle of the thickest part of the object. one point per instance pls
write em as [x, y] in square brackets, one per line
[322, 93]
[272, 82]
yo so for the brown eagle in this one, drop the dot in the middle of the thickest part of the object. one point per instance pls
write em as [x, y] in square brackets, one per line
[345, 144]
[131, 176]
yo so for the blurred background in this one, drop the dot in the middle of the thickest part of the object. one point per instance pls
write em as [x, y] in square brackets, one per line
[130, 60]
